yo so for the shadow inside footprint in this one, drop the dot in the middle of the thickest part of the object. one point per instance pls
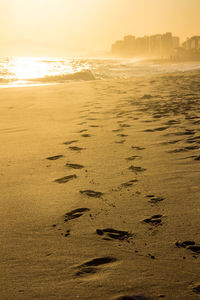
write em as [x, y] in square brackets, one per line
[133, 157]
[156, 129]
[190, 245]
[70, 142]
[122, 135]
[196, 289]
[86, 135]
[91, 267]
[156, 199]
[74, 166]
[91, 193]
[55, 157]
[137, 148]
[120, 142]
[154, 220]
[136, 169]
[76, 213]
[65, 178]
[74, 148]
[114, 234]
[129, 183]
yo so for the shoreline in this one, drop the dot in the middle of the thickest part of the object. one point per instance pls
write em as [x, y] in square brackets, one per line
[99, 181]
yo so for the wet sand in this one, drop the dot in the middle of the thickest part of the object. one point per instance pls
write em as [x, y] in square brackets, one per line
[100, 189]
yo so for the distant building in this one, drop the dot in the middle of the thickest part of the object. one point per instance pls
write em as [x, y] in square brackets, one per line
[192, 43]
[176, 42]
[159, 45]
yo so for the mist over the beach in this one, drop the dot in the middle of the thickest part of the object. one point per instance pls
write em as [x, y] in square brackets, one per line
[66, 27]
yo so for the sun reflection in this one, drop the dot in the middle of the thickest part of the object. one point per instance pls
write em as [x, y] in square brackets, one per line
[18, 71]
[28, 68]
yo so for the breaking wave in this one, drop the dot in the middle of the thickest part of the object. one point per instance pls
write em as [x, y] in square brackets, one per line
[82, 75]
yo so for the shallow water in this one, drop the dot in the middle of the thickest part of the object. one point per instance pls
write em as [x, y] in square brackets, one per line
[23, 71]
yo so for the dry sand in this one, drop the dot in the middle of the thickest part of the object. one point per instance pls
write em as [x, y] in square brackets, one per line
[100, 188]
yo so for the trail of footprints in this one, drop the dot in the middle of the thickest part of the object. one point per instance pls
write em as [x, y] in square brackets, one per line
[108, 234]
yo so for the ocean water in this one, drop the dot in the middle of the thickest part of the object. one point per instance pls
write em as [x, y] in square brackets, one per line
[28, 71]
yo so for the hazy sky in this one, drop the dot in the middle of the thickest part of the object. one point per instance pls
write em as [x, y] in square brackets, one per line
[62, 27]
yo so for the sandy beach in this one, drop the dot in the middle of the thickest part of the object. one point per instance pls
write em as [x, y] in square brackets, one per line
[100, 189]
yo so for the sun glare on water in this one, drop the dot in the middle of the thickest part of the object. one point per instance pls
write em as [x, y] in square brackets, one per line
[28, 68]
[32, 70]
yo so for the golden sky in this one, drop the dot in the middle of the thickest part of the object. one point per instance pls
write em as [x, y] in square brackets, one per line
[65, 27]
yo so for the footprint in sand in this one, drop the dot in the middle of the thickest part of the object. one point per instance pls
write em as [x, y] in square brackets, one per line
[117, 130]
[55, 157]
[170, 142]
[120, 142]
[124, 125]
[185, 149]
[74, 166]
[83, 130]
[82, 123]
[110, 233]
[195, 139]
[86, 135]
[70, 142]
[137, 148]
[65, 179]
[129, 183]
[91, 193]
[74, 148]
[196, 289]
[76, 213]
[136, 169]
[92, 266]
[154, 199]
[190, 245]
[156, 129]
[193, 156]
[92, 119]
[147, 96]
[181, 133]
[122, 135]
[154, 220]
[133, 157]
[94, 126]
